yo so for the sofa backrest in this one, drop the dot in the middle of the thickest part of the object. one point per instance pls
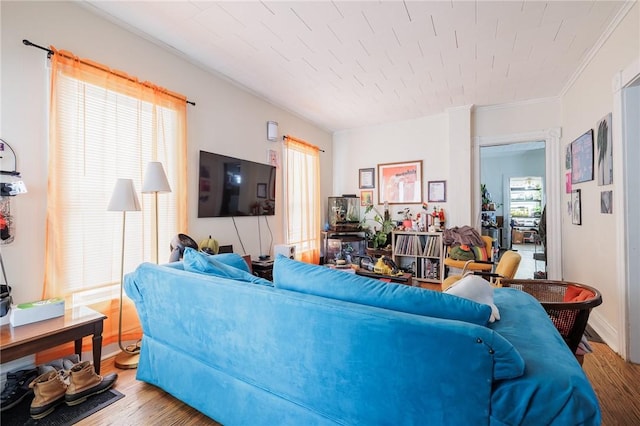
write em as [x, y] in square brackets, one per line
[313, 279]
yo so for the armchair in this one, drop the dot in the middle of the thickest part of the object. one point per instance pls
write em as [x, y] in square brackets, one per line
[473, 265]
[505, 269]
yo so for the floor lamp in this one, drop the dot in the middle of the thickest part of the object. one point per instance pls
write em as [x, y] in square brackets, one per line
[155, 180]
[124, 199]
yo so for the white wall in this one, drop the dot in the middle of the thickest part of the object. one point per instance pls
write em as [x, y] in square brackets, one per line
[590, 250]
[520, 117]
[226, 119]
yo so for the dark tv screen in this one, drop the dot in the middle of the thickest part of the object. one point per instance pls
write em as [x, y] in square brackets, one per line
[230, 186]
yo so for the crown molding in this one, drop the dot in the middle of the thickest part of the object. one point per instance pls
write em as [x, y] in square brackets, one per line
[516, 104]
[622, 13]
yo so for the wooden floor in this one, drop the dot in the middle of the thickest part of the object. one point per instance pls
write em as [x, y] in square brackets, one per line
[616, 383]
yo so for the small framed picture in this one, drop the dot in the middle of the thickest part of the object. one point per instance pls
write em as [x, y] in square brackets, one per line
[576, 211]
[366, 198]
[606, 202]
[367, 178]
[437, 191]
[262, 190]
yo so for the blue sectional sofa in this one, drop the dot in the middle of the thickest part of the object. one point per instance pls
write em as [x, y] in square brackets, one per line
[320, 346]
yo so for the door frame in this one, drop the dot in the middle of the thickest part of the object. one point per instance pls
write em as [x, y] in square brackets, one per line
[626, 154]
[553, 182]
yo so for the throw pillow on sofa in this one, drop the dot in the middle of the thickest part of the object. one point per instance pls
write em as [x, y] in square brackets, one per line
[221, 265]
[321, 281]
[476, 288]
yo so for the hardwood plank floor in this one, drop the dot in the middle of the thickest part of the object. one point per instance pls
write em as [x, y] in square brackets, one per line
[143, 404]
[617, 384]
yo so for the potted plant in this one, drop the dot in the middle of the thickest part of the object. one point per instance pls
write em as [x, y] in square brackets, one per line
[379, 237]
[406, 218]
[487, 203]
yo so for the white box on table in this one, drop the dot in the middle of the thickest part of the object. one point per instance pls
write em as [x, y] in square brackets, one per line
[26, 313]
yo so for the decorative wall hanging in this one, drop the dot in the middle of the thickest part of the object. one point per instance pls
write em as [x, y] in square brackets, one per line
[366, 198]
[606, 202]
[437, 191]
[367, 178]
[400, 183]
[604, 151]
[582, 158]
[576, 210]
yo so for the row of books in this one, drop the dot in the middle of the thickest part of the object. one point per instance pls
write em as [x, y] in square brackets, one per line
[428, 268]
[417, 245]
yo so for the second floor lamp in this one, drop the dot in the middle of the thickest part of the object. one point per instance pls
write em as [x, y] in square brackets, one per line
[155, 181]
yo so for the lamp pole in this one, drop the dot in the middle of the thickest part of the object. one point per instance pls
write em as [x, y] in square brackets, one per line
[155, 180]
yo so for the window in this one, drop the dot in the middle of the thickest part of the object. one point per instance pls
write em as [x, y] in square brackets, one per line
[302, 198]
[106, 125]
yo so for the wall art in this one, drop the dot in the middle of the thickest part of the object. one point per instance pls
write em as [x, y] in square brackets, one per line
[604, 151]
[582, 158]
[400, 183]
[576, 210]
[367, 178]
[437, 191]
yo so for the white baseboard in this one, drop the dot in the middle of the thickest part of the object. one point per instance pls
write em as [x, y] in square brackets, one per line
[606, 331]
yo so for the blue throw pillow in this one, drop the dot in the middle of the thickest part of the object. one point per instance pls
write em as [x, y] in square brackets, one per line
[221, 265]
[321, 281]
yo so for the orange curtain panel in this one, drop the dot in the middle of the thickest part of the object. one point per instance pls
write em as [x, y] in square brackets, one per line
[105, 125]
[302, 198]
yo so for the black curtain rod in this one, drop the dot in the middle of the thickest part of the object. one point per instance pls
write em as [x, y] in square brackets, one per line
[51, 52]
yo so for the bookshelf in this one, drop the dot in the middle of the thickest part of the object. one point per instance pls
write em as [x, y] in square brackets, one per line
[419, 252]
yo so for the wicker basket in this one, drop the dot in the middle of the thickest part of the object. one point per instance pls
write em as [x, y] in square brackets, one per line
[570, 318]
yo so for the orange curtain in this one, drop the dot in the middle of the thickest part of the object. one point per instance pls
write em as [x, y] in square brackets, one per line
[302, 198]
[104, 125]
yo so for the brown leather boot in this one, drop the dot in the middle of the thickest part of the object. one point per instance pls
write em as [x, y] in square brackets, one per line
[84, 382]
[49, 390]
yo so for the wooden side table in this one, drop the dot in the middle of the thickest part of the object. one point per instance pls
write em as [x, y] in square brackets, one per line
[16, 342]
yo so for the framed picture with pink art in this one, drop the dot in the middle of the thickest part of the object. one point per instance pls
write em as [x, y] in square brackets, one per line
[400, 183]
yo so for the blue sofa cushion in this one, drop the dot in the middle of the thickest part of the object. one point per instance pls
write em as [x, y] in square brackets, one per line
[321, 281]
[553, 389]
[227, 265]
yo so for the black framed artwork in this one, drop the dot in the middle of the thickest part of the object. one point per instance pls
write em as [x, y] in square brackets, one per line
[367, 178]
[576, 207]
[437, 191]
[582, 158]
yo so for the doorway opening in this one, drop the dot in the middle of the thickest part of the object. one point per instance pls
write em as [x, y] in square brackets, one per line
[513, 190]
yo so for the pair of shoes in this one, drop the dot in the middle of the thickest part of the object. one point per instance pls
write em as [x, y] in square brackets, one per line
[84, 382]
[59, 364]
[72, 387]
[16, 387]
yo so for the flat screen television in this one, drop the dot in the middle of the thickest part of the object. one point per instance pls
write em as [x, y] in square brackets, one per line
[230, 186]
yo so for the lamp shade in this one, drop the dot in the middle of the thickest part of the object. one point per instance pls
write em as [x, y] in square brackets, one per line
[155, 180]
[124, 198]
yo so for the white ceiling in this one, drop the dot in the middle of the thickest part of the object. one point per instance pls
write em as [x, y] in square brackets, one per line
[346, 64]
